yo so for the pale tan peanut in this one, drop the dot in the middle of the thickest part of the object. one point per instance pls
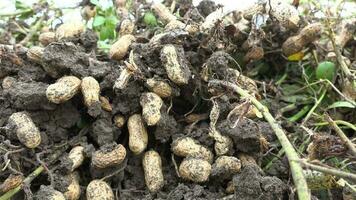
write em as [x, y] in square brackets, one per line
[161, 88]
[26, 131]
[63, 90]
[195, 169]
[307, 35]
[175, 65]
[119, 120]
[47, 38]
[226, 166]
[35, 54]
[69, 29]
[121, 47]
[91, 91]
[285, 13]
[187, 146]
[48, 193]
[104, 158]
[11, 182]
[152, 167]
[138, 137]
[99, 190]
[105, 104]
[76, 155]
[163, 13]
[151, 108]
[126, 27]
[73, 190]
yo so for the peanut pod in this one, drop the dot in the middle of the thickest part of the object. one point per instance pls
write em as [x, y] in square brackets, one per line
[99, 190]
[26, 131]
[138, 137]
[195, 169]
[151, 105]
[152, 167]
[63, 90]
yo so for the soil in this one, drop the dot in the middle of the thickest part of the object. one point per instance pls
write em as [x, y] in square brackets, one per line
[202, 56]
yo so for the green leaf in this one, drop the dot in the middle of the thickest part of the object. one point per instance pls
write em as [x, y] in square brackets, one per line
[98, 20]
[150, 19]
[342, 104]
[111, 20]
[105, 33]
[20, 6]
[325, 70]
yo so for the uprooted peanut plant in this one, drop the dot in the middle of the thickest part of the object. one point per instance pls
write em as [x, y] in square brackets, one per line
[175, 101]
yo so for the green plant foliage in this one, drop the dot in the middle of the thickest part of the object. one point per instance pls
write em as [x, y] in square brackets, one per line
[105, 20]
[150, 19]
[325, 70]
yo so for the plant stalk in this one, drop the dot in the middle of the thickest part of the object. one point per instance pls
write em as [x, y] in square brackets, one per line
[296, 169]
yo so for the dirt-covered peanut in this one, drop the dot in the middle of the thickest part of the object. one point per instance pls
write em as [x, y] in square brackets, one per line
[48, 193]
[126, 27]
[138, 137]
[91, 92]
[69, 30]
[105, 104]
[63, 90]
[99, 190]
[76, 155]
[163, 12]
[286, 14]
[73, 190]
[121, 47]
[195, 169]
[223, 145]
[119, 120]
[175, 24]
[151, 105]
[230, 188]
[26, 131]
[307, 35]
[7, 82]
[35, 54]
[254, 53]
[123, 79]
[109, 155]
[11, 182]
[46, 38]
[250, 11]
[152, 167]
[161, 88]
[246, 159]
[226, 166]
[187, 146]
[88, 12]
[175, 64]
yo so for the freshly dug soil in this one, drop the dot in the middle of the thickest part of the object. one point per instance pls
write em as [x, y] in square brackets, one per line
[181, 60]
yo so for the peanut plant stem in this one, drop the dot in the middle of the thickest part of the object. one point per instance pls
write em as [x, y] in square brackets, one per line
[27, 180]
[327, 170]
[296, 169]
[342, 135]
